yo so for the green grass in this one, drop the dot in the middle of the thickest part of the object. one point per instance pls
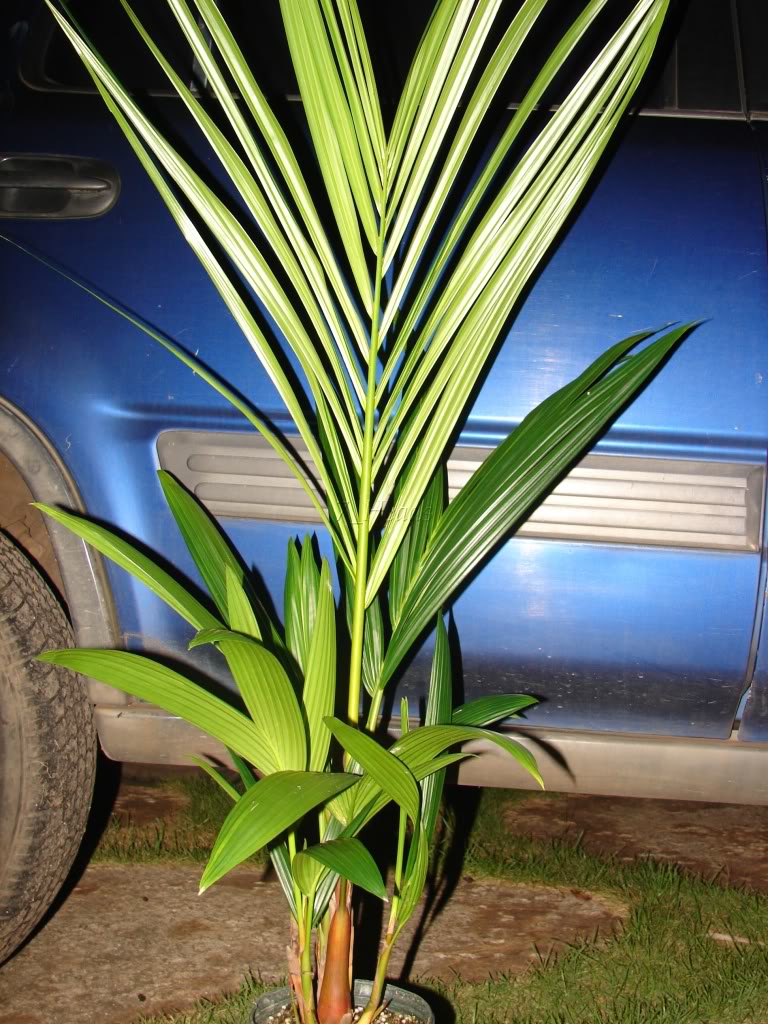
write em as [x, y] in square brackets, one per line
[232, 1010]
[663, 968]
[185, 835]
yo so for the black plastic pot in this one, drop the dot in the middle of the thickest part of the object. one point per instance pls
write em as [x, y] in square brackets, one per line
[398, 999]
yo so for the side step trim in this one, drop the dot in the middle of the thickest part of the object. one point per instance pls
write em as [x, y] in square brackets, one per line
[606, 498]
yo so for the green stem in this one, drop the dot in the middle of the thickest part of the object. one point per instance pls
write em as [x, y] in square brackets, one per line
[364, 499]
[380, 977]
[379, 981]
[297, 895]
[304, 908]
[307, 974]
[373, 711]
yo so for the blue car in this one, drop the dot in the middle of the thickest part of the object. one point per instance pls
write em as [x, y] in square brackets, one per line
[631, 603]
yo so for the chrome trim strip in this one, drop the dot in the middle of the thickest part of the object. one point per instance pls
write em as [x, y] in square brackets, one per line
[605, 499]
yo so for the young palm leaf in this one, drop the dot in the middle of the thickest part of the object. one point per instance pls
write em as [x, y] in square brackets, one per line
[300, 597]
[267, 692]
[264, 812]
[319, 691]
[345, 857]
[439, 709]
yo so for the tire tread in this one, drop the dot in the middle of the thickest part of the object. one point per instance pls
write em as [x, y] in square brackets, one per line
[50, 714]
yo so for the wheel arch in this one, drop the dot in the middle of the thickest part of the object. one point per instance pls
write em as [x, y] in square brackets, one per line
[71, 565]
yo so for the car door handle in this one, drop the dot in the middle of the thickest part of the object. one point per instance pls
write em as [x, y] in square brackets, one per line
[43, 186]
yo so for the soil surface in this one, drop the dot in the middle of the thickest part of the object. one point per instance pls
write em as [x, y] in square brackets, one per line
[726, 842]
[25, 524]
[129, 940]
[134, 939]
[144, 804]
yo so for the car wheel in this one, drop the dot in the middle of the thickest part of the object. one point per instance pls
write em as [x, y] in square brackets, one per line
[47, 751]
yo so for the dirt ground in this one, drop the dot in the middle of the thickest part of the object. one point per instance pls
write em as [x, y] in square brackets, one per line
[726, 842]
[131, 939]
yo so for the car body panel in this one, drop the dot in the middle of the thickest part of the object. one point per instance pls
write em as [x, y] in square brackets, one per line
[612, 637]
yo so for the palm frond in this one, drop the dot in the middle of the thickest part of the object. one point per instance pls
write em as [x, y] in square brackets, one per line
[281, 230]
[486, 177]
[471, 122]
[493, 284]
[330, 124]
[433, 121]
[390, 329]
[276, 140]
[424, 84]
[129, 117]
[513, 478]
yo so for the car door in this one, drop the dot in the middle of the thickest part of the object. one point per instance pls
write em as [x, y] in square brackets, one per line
[629, 602]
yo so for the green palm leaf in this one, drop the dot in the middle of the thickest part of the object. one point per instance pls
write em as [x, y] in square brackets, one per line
[137, 564]
[414, 878]
[217, 777]
[505, 51]
[268, 694]
[419, 747]
[330, 124]
[447, 395]
[216, 562]
[439, 708]
[300, 594]
[243, 770]
[280, 229]
[285, 161]
[319, 691]
[362, 104]
[235, 241]
[487, 710]
[201, 371]
[364, 80]
[264, 812]
[458, 57]
[517, 475]
[426, 79]
[385, 769]
[240, 614]
[420, 529]
[481, 292]
[345, 857]
[141, 677]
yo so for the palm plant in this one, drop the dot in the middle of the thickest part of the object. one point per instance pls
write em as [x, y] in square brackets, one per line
[392, 322]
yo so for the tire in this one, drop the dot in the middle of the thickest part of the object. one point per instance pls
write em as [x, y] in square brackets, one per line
[47, 751]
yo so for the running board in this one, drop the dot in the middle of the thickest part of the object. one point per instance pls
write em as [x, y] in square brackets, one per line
[604, 764]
